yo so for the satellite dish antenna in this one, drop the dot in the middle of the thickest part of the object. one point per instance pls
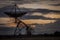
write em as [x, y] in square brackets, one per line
[15, 14]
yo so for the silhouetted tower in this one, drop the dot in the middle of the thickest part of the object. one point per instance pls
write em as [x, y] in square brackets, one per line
[15, 14]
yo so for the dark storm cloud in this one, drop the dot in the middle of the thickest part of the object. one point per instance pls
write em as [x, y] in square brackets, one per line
[36, 0]
[38, 17]
[46, 10]
[6, 30]
[55, 4]
[27, 1]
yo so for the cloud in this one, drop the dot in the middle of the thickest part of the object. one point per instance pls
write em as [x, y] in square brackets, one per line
[55, 4]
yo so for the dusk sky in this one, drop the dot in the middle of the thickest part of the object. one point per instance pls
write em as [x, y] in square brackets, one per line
[45, 20]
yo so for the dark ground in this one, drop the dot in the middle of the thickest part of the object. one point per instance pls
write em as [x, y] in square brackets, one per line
[29, 37]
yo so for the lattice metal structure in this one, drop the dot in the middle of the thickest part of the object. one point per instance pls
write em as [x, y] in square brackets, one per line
[15, 14]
